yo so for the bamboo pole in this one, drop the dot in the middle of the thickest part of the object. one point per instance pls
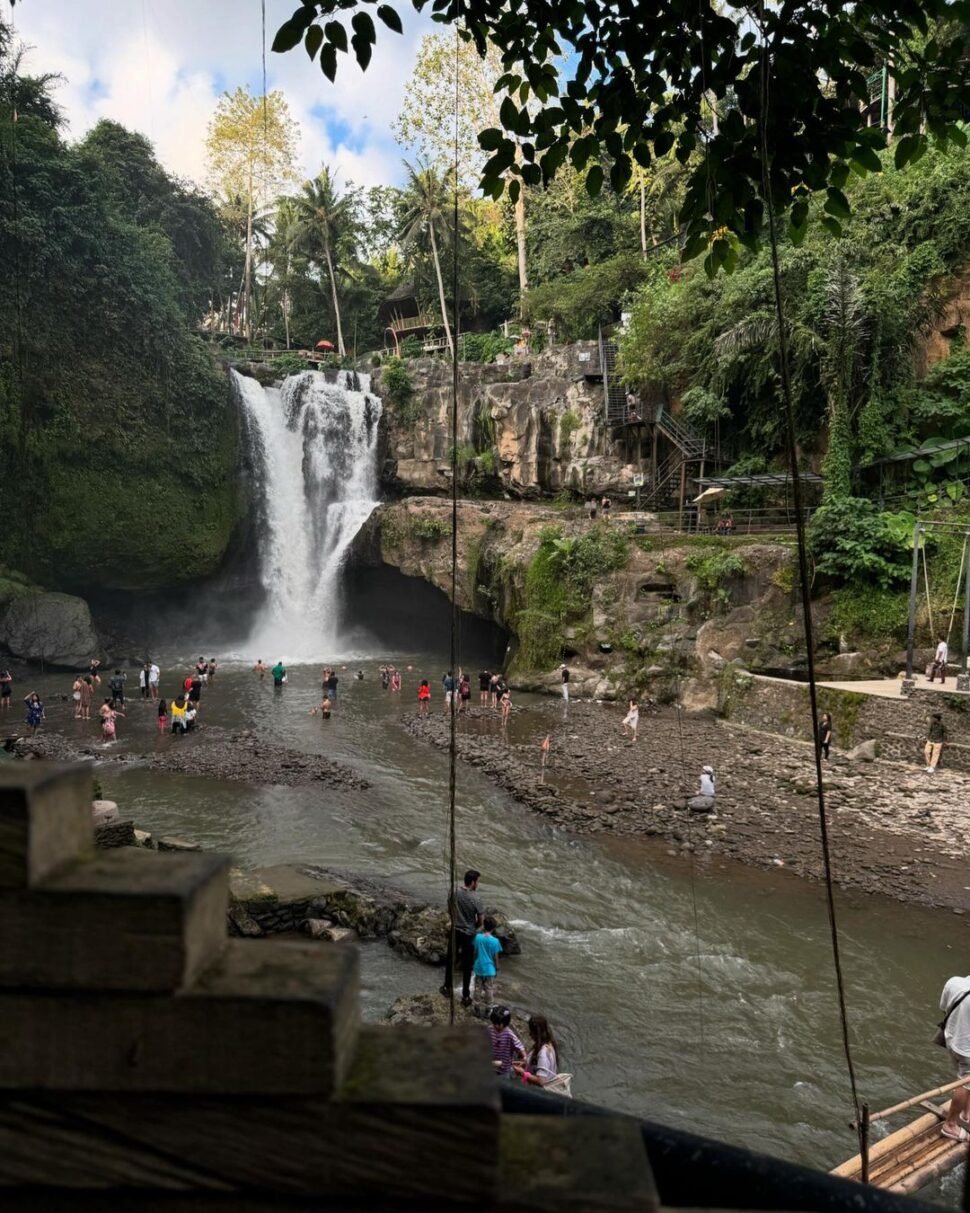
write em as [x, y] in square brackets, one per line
[888, 1144]
[864, 1146]
[909, 1103]
[930, 1171]
[938, 1152]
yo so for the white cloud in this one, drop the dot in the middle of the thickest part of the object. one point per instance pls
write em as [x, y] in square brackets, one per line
[158, 67]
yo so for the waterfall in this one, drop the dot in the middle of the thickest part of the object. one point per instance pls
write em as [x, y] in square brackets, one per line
[314, 448]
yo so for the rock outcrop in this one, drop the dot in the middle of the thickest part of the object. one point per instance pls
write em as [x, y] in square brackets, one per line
[54, 628]
[531, 427]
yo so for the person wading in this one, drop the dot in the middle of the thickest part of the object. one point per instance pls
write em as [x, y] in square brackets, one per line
[279, 674]
[469, 914]
[564, 679]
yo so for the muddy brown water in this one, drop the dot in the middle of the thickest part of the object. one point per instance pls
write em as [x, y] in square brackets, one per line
[703, 998]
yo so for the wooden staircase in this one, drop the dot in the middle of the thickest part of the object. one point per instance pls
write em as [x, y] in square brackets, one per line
[150, 1063]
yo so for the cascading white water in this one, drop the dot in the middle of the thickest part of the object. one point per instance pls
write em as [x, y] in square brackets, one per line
[314, 445]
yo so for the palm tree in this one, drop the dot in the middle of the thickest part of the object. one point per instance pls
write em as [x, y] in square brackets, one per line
[323, 227]
[427, 201]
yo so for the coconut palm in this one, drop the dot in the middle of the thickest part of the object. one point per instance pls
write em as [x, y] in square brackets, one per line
[323, 230]
[428, 205]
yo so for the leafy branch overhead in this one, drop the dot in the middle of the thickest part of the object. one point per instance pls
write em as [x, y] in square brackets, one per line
[626, 82]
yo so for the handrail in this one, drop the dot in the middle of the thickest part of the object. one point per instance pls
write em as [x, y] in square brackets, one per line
[917, 1099]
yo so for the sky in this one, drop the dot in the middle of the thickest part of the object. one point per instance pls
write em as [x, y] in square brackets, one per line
[159, 66]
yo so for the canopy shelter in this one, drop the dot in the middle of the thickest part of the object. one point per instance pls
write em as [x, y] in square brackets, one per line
[709, 494]
[895, 471]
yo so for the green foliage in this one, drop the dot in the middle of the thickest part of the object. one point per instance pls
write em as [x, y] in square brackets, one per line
[430, 529]
[101, 358]
[586, 298]
[558, 586]
[569, 423]
[288, 364]
[713, 567]
[484, 347]
[866, 614]
[399, 392]
[851, 541]
[487, 462]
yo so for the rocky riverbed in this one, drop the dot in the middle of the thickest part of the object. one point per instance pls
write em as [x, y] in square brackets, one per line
[893, 829]
[212, 751]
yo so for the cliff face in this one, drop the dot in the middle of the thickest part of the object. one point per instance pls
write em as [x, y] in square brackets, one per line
[531, 427]
[631, 614]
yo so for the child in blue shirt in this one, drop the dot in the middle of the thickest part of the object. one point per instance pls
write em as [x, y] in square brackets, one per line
[485, 968]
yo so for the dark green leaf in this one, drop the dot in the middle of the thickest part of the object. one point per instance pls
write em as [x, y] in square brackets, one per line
[363, 49]
[363, 25]
[594, 180]
[491, 140]
[328, 61]
[313, 40]
[287, 36]
[336, 34]
[837, 204]
[390, 18]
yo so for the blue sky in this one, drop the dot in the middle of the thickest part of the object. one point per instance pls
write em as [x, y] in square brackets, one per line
[159, 66]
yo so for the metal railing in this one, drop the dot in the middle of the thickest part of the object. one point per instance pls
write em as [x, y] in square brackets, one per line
[691, 521]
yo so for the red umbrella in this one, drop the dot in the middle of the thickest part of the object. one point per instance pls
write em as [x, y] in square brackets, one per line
[324, 345]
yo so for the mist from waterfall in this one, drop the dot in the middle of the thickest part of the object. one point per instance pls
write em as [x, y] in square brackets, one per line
[314, 448]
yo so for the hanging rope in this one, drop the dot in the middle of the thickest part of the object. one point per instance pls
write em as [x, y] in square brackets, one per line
[805, 584]
[926, 583]
[956, 592]
[453, 722]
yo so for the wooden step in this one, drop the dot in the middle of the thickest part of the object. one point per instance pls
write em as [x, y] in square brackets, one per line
[45, 819]
[125, 919]
[416, 1121]
[271, 1017]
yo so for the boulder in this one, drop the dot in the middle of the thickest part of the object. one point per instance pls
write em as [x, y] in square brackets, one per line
[54, 628]
[170, 843]
[701, 804]
[115, 832]
[143, 839]
[104, 811]
[865, 751]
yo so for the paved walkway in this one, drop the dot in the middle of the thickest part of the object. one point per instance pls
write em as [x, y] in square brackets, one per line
[884, 688]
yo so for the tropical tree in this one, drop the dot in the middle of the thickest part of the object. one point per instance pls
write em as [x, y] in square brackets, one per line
[323, 228]
[450, 97]
[424, 223]
[251, 150]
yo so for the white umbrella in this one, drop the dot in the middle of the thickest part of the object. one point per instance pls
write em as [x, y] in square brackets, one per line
[710, 494]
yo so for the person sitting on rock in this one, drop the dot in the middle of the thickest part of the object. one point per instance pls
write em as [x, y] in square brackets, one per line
[704, 802]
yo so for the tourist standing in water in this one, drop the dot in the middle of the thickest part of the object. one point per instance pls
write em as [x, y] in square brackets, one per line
[424, 697]
[564, 679]
[485, 967]
[35, 713]
[506, 1046]
[331, 685]
[542, 1064]
[260, 669]
[76, 696]
[162, 715]
[6, 688]
[279, 674]
[116, 684]
[396, 680]
[323, 708]
[484, 685]
[87, 694]
[177, 712]
[109, 714]
[448, 686]
[469, 913]
[506, 702]
[212, 668]
[154, 674]
[464, 692]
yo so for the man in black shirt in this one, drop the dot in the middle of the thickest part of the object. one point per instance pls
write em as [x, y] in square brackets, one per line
[469, 913]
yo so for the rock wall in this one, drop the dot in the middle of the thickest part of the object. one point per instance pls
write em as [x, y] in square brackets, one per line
[897, 725]
[529, 427]
[661, 618]
[54, 628]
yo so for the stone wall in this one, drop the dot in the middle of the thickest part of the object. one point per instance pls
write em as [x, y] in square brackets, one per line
[897, 725]
[537, 421]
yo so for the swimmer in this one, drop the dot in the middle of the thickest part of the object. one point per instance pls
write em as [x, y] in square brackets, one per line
[323, 708]
[259, 668]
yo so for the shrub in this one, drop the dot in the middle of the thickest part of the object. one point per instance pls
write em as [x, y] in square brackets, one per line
[569, 422]
[399, 392]
[484, 347]
[851, 541]
[288, 364]
[430, 529]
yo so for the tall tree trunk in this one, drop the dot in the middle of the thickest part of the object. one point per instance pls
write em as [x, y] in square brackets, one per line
[441, 287]
[248, 271]
[336, 305]
[520, 236]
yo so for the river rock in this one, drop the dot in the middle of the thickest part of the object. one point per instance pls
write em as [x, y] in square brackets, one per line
[434, 1011]
[104, 811]
[865, 751]
[170, 843]
[53, 628]
[701, 804]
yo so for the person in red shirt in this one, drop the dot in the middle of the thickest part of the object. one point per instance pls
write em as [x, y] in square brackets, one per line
[424, 696]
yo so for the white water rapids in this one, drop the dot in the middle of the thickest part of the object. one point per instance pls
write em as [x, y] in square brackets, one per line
[314, 447]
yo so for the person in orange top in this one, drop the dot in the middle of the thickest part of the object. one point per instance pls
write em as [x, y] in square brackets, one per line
[424, 696]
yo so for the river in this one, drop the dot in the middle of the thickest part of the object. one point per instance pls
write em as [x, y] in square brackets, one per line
[703, 998]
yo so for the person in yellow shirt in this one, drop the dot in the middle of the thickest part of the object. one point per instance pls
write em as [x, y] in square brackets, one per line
[177, 711]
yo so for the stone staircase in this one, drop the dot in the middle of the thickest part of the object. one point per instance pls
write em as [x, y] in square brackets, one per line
[150, 1062]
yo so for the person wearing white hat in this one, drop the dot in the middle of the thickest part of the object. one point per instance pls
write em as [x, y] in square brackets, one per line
[707, 782]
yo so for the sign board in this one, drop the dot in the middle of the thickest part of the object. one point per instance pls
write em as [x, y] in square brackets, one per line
[584, 355]
[639, 480]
